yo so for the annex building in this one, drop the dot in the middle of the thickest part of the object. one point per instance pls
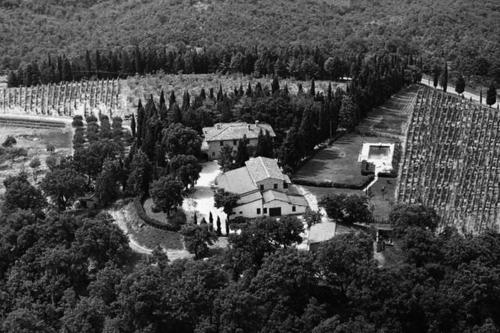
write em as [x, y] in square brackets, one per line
[263, 189]
[228, 134]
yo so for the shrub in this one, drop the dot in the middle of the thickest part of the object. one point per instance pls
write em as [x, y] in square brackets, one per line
[77, 121]
[50, 148]
[367, 168]
[9, 141]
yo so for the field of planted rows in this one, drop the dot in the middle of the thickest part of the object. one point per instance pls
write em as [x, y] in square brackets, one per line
[451, 160]
[63, 99]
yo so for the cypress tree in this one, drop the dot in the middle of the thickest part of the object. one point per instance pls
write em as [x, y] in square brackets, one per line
[141, 119]
[444, 78]
[220, 94]
[211, 219]
[481, 96]
[211, 94]
[460, 85]
[195, 218]
[186, 101]
[312, 92]
[172, 100]
[275, 85]
[133, 126]
[435, 76]
[491, 95]
[163, 111]
[88, 64]
[249, 92]
[175, 114]
[261, 145]
[219, 226]
[203, 95]
[242, 152]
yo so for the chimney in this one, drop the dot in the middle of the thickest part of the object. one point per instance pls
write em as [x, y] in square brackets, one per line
[256, 123]
[249, 127]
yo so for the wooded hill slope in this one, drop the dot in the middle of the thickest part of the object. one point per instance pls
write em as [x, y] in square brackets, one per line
[464, 31]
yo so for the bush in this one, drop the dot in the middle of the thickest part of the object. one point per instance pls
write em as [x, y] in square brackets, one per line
[50, 148]
[367, 168]
[9, 141]
[174, 225]
[77, 121]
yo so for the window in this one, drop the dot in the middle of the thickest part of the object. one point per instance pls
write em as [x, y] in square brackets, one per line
[275, 186]
[235, 142]
[265, 210]
[293, 208]
[213, 154]
[222, 143]
[241, 212]
[285, 185]
[262, 187]
[258, 211]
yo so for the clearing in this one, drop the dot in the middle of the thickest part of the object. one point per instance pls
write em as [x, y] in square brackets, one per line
[338, 165]
[34, 140]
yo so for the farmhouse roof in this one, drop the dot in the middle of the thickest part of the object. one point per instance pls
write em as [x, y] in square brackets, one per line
[236, 181]
[261, 168]
[271, 195]
[235, 131]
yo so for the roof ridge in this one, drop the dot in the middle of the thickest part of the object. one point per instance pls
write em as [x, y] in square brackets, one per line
[265, 169]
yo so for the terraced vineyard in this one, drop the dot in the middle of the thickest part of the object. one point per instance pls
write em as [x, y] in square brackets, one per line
[452, 160]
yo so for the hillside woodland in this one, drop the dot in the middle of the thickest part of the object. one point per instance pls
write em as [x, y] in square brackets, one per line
[464, 33]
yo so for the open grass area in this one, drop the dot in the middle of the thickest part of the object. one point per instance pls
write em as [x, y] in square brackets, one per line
[338, 163]
[34, 141]
[146, 235]
[390, 119]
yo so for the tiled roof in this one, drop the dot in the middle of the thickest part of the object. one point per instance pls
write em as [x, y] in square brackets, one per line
[261, 168]
[235, 131]
[236, 181]
[271, 195]
[251, 197]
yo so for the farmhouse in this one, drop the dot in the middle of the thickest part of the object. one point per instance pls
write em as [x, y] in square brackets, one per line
[228, 134]
[263, 189]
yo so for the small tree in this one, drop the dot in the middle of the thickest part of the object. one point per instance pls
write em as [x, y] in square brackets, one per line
[491, 95]
[226, 158]
[9, 141]
[444, 78]
[226, 200]
[460, 85]
[198, 238]
[34, 165]
[347, 209]
[166, 193]
[219, 226]
[63, 185]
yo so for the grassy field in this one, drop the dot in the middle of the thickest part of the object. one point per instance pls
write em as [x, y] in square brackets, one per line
[148, 236]
[339, 164]
[35, 142]
[136, 87]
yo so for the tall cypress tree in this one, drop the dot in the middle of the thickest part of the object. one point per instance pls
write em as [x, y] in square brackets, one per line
[444, 78]
[275, 85]
[491, 95]
[242, 152]
[141, 119]
[312, 92]
[261, 144]
[460, 85]
[133, 126]
[163, 111]
[172, 100]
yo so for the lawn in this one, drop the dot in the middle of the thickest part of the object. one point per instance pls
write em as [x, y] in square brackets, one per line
[338, 163]
[148, 236]
[35, 142]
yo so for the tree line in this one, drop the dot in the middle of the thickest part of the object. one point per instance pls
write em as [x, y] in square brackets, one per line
[302, 62]
[62, 272]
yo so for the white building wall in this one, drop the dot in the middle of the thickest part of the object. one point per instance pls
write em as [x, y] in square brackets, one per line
[248, 210]
[286, 209]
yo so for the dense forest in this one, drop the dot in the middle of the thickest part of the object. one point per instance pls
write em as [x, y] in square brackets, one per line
[66, 273]
[462, 32]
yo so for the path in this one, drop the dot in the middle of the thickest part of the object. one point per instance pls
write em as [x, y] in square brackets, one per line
[322, 231]
[427, 80]
[201, 200]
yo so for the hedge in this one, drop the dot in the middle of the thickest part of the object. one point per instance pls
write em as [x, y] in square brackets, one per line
[151, 221]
